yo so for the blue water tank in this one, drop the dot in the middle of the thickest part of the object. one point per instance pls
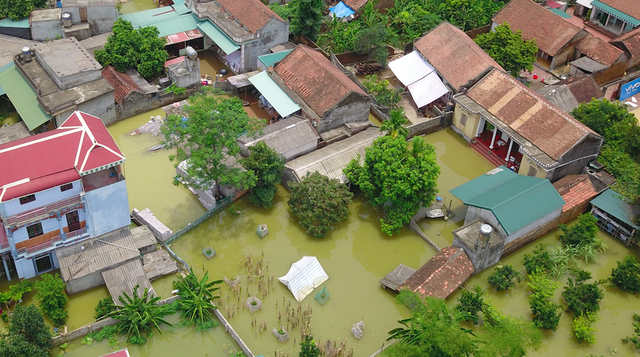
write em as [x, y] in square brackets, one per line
[58, 3]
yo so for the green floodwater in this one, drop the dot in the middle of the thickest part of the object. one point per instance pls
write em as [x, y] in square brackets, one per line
[137, 5]
[356, 255]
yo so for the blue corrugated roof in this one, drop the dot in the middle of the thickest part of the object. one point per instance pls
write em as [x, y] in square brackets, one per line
[612, 203]
[561, 13]
[277, 97]
[167, 20]
[217, 36]
[22, 24]
[515, 200]
[270, 59]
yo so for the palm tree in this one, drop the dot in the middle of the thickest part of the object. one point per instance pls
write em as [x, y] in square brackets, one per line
[138, 315]
[196, 296]
[394, 126]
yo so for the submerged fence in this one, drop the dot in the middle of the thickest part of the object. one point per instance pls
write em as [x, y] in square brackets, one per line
[220, 204]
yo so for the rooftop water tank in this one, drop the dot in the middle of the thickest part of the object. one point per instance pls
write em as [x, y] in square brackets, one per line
[191, 53]
[485, 233]
[26, 54]
[66, 20]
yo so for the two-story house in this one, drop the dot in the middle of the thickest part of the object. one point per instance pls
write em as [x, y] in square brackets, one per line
[59, 188]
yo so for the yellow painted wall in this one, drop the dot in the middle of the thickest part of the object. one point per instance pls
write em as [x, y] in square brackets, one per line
[524, 168]
[471, 127]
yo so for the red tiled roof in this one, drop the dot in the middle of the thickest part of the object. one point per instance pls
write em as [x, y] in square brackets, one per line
[631, 41]
[315, 79]
[454, 54]
[81, 144]
[541, 123]
[584, 89]
[442, 274]
[629, 7]
[575, 190]
[253, 14]
[550, 31]
[121, 82]
[599, 50]
[355, 4]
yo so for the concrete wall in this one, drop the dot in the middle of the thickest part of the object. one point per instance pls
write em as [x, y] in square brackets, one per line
[136, 103]
[43, 198]
[108, 208]
[101, 18]
[230, 330]
[186, 73]
[86, 282]
[46, 29]
[469, 129]
[527, 163]
[103, 107]
[495, 253]
[354, 108]
[431, 125]
[275, 32]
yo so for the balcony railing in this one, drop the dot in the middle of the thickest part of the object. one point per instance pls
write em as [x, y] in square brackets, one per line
[50, 243]
[41, 212]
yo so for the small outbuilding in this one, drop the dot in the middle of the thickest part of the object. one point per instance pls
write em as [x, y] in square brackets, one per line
[615, 215]
[304, 276]
[290, 137]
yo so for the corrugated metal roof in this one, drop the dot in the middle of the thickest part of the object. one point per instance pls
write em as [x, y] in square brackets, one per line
[285, 135]
[21, 24]
[515, 200]
[271, 59]
[23, 97]
[615, 12]
[612, 203]
[305, 275]
[217, 36]
[274, 94]
[167, 20]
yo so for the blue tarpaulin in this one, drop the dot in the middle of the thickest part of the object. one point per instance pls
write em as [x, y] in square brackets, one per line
[341, 10]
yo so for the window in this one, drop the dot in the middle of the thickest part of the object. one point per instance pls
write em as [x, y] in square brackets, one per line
[43, 264]
[66, 187]
[27, 199]
[35, 230]
[463, 119]
[532, 170]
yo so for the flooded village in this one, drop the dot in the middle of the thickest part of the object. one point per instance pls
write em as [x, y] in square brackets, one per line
[319, 178]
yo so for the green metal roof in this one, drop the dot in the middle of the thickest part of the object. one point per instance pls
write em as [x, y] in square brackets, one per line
[168, 22]
[274, 94]
[21, 24]
[612, 203]
[218, 37]
[615, 12]
[270, 59]
[561, 13]
[2, 69]
[23, 97]
[515, 200]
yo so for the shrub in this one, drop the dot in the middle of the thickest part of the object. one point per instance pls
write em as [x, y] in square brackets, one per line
[470, 303]
[635, 338]
[195, 303]
[583, 327]
[546, 314]
[104, 308]
[379, 88]
[626, 276]
[308, 347]
[504, 278]
[540, 260]
[582, 233]
[27, 334]
[52, 298]
[582, 298]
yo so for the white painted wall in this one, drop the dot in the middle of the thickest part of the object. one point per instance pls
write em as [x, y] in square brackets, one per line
[48, 225]
[44, 197]
[26, 267]
[108, 208]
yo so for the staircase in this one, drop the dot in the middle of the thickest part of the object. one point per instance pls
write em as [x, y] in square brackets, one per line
[487, 154]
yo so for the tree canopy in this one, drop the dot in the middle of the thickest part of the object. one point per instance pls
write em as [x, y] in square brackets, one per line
[318, 203]
[27, 334]
[140, 49]
[504, 277]
[380, 90]
[267, 166]
[509, 49]
[306, 17]
[394, 126]
[626, 276]
[52, 297]
[397, 175]
[207, 138]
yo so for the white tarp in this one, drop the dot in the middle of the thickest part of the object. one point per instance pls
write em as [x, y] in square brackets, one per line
[419, 77]
[305, 275]
[410, 68]
[427, 89]
[585, 3]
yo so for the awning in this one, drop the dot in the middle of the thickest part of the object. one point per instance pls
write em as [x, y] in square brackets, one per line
[341, 10]
[410, 68]
[183, 36]
[305, 275]
[585, 3]
[181, 9]
[274, 94]
[615, 13]
[552, 4]
[427, 89]
[218, 37]
[23, 97]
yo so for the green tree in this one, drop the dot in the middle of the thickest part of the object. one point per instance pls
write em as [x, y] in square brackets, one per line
[14, 296]
[282, 10]
[16, 9]
[138, 315]
[626, 276]
[140, 49]
[509, 49]
[372, 42]
[27, 334]
[540, 261]
[582, 298]
[267, 165]
[306, 18]
[318, 203]
[504, 277]
[397, 177]
[394, 126]
[196, 300]
[104, 308]
[582, 233]
[340, 36]
[380, 90]
[52, 297]
[471, 303]
[308, 347]
[410, 19]
[465, 14]
[546, 314]
[583, 327]
[207, 138]
[635, 338]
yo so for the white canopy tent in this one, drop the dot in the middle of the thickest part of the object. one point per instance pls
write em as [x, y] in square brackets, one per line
[305, 275]
[419, 77]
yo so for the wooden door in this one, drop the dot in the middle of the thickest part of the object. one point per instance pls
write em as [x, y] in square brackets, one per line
[83, 14]
[73, 221]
